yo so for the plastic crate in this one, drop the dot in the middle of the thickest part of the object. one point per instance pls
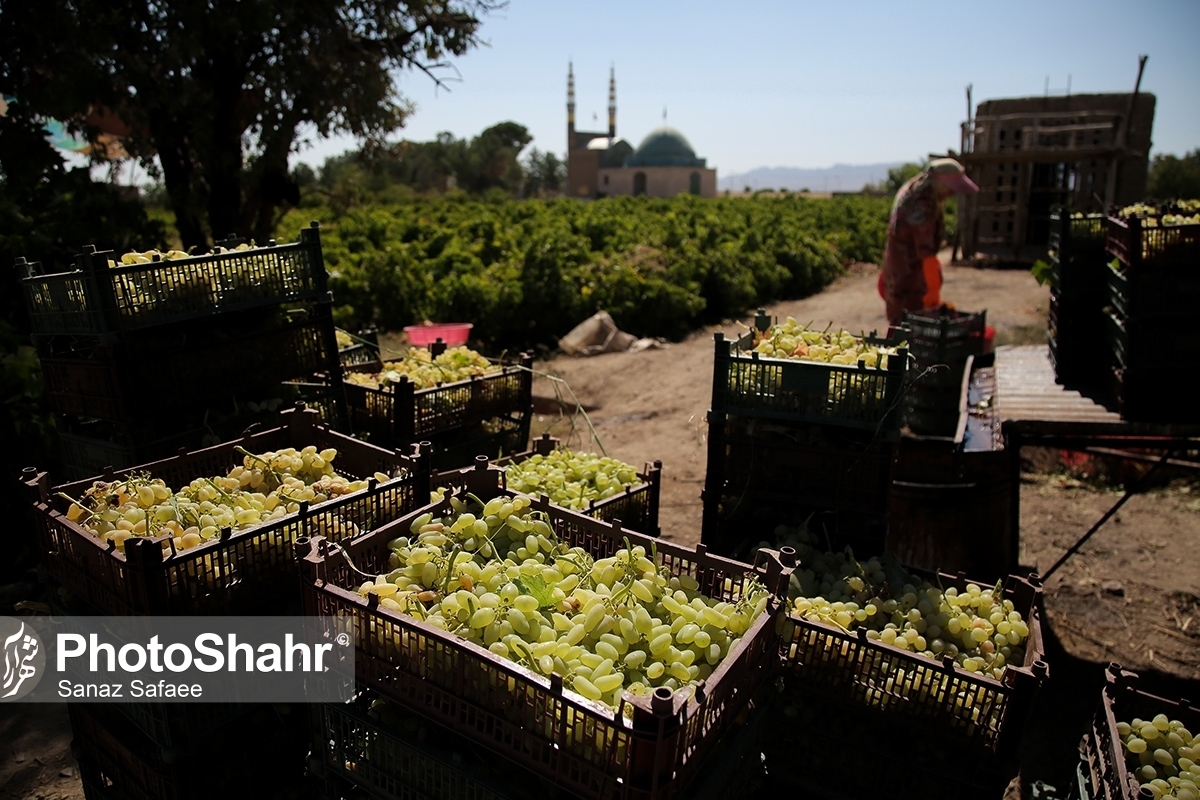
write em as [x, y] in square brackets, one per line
[352, 744]
[113, 381]
[828, 660]
[935, 399]
[95, 298]
[1076, 253]
[747, 384]
[496, 438]
[944, 336]
[400, 413]
[1102, 756]
[1077, 344]
[585, 748]
[821, 749]
[840, 468]
[243, 570]
[1150, 394]
[1152, 342]
[259, 755]
[636, 507]
[1140, 247]
[1139, 294]
[364, 354]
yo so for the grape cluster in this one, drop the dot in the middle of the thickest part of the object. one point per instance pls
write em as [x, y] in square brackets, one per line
[344, 339]
[978, 627]
[496, 574]
[571, 480]
[792, 340]
[1163, 755]
[424, 371]
[262, 488]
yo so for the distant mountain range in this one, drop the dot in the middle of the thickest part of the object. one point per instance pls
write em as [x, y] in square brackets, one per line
[838, 178]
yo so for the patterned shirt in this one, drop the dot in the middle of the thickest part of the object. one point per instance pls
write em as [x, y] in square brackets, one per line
[915, 232]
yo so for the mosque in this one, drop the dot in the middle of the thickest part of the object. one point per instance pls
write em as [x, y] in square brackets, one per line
[602, 164]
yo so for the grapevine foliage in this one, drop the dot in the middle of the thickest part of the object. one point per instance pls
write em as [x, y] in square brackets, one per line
[526, 272]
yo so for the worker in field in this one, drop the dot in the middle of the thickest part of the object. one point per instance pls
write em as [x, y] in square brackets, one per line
[911, 278]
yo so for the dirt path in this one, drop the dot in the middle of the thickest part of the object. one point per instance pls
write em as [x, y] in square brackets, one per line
[651, 405]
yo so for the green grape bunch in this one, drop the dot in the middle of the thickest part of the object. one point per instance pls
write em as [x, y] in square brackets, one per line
[263, 488]
[1163, 756]
[424, 371]
[977, 627]
[571, 480]
[795, 341]
[497, 575]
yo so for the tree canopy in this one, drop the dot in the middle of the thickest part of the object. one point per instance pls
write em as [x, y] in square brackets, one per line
[1173, 178]
[220, 91]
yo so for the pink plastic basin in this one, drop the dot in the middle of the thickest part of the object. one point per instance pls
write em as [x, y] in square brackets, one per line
[451, 333]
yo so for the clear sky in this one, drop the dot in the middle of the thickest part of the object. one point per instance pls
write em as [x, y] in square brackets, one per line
[800, 83]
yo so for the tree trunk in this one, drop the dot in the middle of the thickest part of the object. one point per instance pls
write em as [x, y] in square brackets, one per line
[178, 174]
[223, 162]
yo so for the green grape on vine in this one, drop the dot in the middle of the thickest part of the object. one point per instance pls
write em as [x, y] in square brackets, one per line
[571, 480]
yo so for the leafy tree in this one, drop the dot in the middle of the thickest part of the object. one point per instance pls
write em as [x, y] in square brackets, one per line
[491, 160]
[219, 91]
[1172, 178]
[545, 174]
[897, 177]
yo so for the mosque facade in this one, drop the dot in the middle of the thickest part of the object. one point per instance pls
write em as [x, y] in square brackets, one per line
[602, 164]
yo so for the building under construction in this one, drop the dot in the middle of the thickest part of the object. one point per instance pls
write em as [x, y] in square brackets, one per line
[1085, 152]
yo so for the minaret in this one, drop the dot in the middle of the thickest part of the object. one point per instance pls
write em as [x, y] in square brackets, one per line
[570, 107]
[612, 102]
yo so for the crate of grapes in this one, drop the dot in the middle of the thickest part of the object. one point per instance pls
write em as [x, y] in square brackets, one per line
[862, 394]
[1155, 242]
[600, 487]
[1137, 740]
[973, 695]
[359, 352]
[102, 297]
[260, 755]
[496, 437]
[1076, 251]
[110, 381]
[191, 534]
[431, 644]
[396, 412]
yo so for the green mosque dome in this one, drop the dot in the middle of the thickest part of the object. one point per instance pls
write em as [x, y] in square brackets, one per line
[665, 147]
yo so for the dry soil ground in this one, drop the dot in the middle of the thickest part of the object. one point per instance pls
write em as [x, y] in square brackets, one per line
[1131, 595]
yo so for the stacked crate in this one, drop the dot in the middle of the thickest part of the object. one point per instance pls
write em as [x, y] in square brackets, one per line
[1078, 296]
[142, 359]
[487, 414]
[1153, 293]
[530, 728]
[793, 442]
[164, 750]
[944, 344]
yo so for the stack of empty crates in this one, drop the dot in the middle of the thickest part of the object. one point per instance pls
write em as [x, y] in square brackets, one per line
[1153, 285]
[143, 359]
[795, 442]
[1078, 296]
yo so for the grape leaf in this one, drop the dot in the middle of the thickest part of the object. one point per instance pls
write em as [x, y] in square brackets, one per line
[538, 589]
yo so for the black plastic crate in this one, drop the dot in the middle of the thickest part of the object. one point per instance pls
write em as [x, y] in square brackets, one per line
[171, 370]
[857, 396]
[1142, 294]
[1152, 394]
[495, 438]
[400, 413]
[1150, 343]
[821, 749]
[1078, 347]
[363, 354]
[242, 571]
[260, 754]
[94, 298]
[935, 399]
[1076, 253]
[947, 338]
